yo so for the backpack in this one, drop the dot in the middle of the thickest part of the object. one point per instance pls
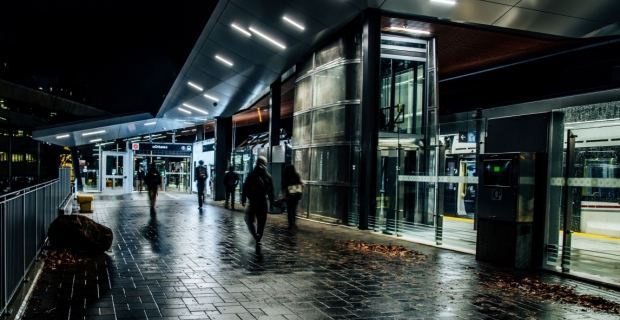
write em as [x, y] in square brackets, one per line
[153, 178]
[201, 173]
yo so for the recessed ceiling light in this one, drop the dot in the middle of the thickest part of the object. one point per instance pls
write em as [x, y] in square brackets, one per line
[194, 85]
[410, 30]
[241, 30]
[150, 123]
[267, 38]
[224, 60]
[293, 23]
[194, 108]
[212, 98]
[62, 136]
[94, 132]
[444, 1]
[186, 111]
[95, 140]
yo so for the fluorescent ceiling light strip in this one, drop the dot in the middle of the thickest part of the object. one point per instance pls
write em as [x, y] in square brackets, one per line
[241, 30]
[445, 1]
[94, 132]
[267, 38]
[410, 30]
[224, 60]
[194, 108]
[293, 23]
[150, 123]
[186, 111]
[212, 98]
[95, 140]
[194, 85]
[62, 136]
[103, 144]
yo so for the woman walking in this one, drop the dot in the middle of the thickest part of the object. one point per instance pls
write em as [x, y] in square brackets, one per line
[292, 188]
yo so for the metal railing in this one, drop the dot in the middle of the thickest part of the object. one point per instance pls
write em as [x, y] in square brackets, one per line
[25, 216]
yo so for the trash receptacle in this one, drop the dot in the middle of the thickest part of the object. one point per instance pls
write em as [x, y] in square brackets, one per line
[85, 202]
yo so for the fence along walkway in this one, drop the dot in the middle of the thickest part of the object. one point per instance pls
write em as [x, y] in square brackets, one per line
[25, 217]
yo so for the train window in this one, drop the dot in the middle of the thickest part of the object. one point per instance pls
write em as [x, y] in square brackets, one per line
[497, 173]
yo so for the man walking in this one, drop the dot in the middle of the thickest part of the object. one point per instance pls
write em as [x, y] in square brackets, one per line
[258, 187]
[230, 182]
[200, 177]
[141, 176]
[153, 181]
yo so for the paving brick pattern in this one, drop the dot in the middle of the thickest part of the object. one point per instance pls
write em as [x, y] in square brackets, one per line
[182, 263]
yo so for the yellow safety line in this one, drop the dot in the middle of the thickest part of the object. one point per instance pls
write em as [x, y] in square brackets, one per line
[588, 235]
[459, 219]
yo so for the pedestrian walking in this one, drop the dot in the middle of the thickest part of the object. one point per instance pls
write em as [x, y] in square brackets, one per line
[258, 188]
[141, 176]
[231, 179]
[153, 181]
[292, 189]
[200, 177]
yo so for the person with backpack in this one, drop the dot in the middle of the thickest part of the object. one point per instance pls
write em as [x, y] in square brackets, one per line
[292, 190]
[258, 188]
[153, 181]
[141, 177]
[200, 177]
[230, 182]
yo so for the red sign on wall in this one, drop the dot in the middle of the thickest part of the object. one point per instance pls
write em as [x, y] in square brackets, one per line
[135, 146]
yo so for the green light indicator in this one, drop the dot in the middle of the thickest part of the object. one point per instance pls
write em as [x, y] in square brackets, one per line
[496, 169]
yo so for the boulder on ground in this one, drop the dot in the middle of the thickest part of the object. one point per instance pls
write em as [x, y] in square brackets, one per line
[79, 233]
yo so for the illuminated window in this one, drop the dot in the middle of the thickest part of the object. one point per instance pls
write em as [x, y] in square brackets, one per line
[2, 105]
[4, 156]
[18, 157]
[30, 157]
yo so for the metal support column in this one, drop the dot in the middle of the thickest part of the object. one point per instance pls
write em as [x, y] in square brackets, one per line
[223, 130]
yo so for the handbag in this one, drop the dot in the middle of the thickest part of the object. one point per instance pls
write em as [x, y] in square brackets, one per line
[294, 189]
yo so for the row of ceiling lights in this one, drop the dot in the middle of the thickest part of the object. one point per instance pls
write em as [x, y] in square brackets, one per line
[230, 63]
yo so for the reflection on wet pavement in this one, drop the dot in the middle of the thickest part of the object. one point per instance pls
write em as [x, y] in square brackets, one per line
[185, 263]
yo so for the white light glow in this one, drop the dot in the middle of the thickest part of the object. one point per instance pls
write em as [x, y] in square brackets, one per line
[94, 132]
[95, 140]
[194, 85]
[444, 1]
[267, 38]
[410, 30]
[62, 136]
[241, 30]
[103, 144]
[194, 108]
[150, 123]
[224, 60]
[186, 111]
[293, 23]
[212, 98]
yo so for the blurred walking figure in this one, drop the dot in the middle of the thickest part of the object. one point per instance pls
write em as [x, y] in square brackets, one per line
[258, 188]
[230, 182]
[292, 189]
[153, 181]
[141, 176]
[200, 177]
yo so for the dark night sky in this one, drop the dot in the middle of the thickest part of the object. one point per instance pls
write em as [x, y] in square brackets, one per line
[124, 54]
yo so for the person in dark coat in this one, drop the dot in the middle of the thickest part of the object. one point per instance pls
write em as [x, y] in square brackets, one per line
[258, 188]
[200, 176]
[141, 176]
[291, 178]
[153, 181]
[230, 182]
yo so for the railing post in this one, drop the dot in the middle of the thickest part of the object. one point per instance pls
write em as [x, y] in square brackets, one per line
[24, 235]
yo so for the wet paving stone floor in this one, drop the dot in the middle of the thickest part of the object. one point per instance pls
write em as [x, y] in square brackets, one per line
[185, 263]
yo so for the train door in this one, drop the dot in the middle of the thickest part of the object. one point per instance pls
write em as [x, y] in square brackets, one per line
[467, 191]
[451, 189]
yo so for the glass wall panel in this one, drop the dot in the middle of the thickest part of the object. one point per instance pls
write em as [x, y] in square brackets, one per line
[302, 129]
[402, 96]
[301, 161]
[335, 124]
[583, 227]
[328, 164]
[331, 86]
[328, 202]
[303, 94]
[345, 47]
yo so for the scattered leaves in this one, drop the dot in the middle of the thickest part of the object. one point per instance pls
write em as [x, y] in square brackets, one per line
[391, 251]
[551, 292]
[55, 258]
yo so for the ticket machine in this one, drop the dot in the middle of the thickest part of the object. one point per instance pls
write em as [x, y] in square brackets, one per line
[506, 194]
